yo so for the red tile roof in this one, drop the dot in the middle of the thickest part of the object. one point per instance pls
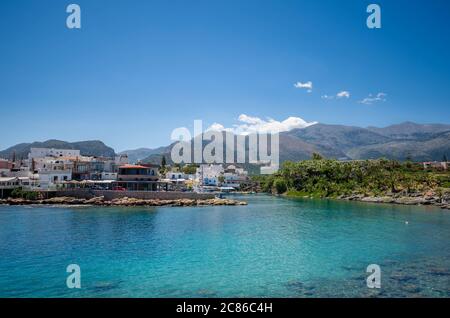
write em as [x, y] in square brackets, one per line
[132, 167]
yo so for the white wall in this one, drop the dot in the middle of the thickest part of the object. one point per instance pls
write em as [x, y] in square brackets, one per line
[51, 152]
[47, 178]
[175, 175]
[109, 176]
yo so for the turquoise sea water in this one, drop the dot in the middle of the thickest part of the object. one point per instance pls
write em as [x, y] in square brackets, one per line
[273, 247]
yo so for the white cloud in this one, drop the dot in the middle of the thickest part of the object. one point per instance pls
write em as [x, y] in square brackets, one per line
[249, 120]
[249, 124]
[216, 127]
[308, 86]
[380, 97]
[341, 94]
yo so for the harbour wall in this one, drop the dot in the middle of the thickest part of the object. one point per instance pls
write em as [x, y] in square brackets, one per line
[144, 195]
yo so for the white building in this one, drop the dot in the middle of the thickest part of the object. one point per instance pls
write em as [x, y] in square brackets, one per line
[109, 176]
[174, 175]
[51, 167]
[51, 152]
[121, 160]
[50, 163]
[9, 182]
[112, 165]
[17, 182]
[50, 179]
[5, 167]
[435, 165]
[234, 177]
[208, 175]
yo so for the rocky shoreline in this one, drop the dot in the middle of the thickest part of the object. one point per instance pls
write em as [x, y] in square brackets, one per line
[125, 201]
[430, 198]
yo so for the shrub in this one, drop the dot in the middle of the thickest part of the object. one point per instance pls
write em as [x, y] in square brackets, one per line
[31, 195]
[17, 193]
[280, 185]
[28, 195]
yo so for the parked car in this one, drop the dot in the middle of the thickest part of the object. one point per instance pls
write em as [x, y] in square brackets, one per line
[119, 189]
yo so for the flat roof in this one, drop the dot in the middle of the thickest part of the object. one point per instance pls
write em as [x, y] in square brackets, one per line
[133, 167]
[6, 179]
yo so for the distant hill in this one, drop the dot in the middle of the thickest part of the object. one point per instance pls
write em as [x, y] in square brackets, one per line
[87, 148]
[141, 153]
[338, 137]
[418, 142]
[411, 131]
[422, 149]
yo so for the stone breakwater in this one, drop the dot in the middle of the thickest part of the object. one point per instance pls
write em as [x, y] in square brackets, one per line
[125, 201]
[429, 198]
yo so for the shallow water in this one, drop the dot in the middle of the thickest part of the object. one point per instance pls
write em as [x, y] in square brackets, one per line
[273, 247]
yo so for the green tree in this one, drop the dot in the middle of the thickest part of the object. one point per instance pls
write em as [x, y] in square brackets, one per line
[317, 156]
[190, 169]
[17, 193]
[163, 162]
[280, 185]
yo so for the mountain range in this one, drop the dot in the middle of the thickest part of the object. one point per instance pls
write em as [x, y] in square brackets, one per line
[87, 148]
[417, 142]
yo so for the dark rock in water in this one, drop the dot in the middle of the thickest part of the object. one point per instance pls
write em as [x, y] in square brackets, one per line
[310, 287]
[295, 285]
[206, 293]
[373, 293]
[439, 271]
[359, 278]
[106, 286]
[300, 288]
[389, 262]
[382, 293]
[411, 288]
[402, 277]
[351, 268]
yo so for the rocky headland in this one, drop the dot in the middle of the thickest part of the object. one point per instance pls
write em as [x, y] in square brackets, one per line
[428, 198]
[125, 201]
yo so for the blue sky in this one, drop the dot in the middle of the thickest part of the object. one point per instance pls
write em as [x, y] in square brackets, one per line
[138, 69]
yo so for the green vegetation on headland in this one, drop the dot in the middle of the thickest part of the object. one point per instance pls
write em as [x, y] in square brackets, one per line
[323, 178]
[19, 193]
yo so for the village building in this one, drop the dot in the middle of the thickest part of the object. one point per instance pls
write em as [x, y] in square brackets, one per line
[234, 177]
[108, 176]
[436, 165]
[175, 175]
[209, 175]
[51, 179]
[138, 177]
[51, 152]
[5, 167]
[112, 165]
[8, 184]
